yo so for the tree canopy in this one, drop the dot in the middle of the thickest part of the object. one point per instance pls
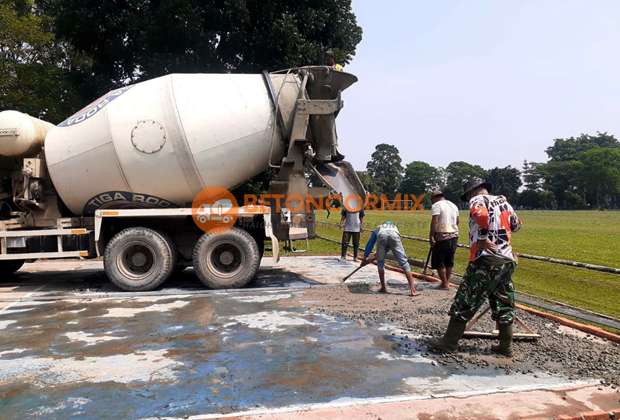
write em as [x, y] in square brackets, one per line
[36, 70]
[421, 177]
[580, 173]
[506, 181]
[456, 174]
[137, 40]
[599, 174]
[385, 169]
[564, 150]
[58, 55]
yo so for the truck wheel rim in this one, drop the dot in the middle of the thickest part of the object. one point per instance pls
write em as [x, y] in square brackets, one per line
[225, 259]
[136, 260]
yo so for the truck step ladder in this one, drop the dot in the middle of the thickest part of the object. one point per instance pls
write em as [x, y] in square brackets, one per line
[6, 237]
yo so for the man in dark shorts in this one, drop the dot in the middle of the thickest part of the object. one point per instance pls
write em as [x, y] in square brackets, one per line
[444, 237]
[353, 224]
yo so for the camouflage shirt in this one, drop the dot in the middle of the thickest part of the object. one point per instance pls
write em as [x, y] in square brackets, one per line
[493, 218]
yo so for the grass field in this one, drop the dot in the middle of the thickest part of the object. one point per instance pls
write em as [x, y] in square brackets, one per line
[583, 236]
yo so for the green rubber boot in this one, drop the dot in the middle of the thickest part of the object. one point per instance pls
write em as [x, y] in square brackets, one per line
[505, 341]
[450, 340]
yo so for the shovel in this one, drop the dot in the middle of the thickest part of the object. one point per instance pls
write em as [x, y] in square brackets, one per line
[430, 251]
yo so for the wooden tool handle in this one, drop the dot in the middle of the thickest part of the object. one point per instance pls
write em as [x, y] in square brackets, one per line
[356, 270]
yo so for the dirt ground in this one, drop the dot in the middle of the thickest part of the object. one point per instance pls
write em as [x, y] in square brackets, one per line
[560, 350]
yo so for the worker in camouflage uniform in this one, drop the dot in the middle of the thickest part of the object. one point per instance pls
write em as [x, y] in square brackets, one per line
[489, 273]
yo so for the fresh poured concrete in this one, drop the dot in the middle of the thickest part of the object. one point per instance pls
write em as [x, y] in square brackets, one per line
[72, 346]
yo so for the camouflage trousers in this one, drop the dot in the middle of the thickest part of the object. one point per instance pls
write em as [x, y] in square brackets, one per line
[483, 282]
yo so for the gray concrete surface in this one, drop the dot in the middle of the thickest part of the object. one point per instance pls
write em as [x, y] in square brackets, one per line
[87, 279]
[73, 347]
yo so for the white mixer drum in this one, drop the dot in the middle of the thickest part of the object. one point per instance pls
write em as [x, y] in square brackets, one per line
[159, 143]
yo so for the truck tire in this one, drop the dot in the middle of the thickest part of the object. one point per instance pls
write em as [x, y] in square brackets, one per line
[10, 267]
[226, 260]
[139, 259]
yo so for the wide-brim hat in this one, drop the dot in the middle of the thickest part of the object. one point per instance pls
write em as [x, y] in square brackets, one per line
[471, 185]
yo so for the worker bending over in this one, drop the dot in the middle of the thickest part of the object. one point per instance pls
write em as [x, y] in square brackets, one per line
[387, 238]
[489, 273]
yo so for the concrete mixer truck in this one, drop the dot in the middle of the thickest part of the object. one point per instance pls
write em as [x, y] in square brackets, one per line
[118, 179]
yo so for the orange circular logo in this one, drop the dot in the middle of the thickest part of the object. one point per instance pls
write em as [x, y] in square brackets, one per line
[215, 210]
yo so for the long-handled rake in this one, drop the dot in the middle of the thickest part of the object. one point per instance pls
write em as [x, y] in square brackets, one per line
[345, 278]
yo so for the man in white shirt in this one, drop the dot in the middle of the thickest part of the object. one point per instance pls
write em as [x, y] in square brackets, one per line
[444, 237]
[353, 226]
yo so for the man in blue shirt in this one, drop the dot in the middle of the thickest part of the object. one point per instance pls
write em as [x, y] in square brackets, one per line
[387, 238]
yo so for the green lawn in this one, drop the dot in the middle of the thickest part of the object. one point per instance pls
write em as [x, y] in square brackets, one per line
[584, 236]
[589, 237]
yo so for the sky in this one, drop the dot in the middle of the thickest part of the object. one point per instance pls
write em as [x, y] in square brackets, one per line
[489, 82]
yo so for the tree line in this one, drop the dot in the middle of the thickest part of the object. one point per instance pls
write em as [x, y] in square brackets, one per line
[58, 55]
[581, 173]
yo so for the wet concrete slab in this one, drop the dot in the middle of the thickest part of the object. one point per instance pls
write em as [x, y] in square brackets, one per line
[87, 278]
[213, 354]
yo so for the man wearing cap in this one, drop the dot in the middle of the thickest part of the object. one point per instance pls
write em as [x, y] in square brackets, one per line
[491, 265]
[387, 238]
[330, 61]
[444, 236]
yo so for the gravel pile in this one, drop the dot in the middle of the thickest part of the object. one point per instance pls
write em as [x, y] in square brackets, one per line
[560, 350]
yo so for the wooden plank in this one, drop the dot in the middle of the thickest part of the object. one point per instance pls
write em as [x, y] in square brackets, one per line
[523, 325]
[496, 335]
[477, 318]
